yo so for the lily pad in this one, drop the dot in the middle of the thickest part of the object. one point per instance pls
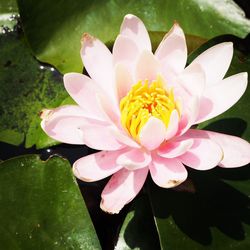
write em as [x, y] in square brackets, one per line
[26, 88]
[61, 24]
[41, 206]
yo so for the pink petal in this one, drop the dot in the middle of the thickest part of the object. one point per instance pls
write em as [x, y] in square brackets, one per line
[215, 62]
[134, 159]
[125, 50]
[125, 139]
[173, 149]
[203, 155]
[134, 28]
[122, 188]
[193, 79]
[64, 124]
[153, 133]
[220, 97]
[98, 62]
[83, 90]
[167, 173]
[123, 81]
[100, 137]
[189, 115]
[97, 166]
[147, 66]
[173, 125]
[236, 151]
[172, 51]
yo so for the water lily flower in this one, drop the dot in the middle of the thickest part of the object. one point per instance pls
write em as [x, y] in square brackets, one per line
[138, 108]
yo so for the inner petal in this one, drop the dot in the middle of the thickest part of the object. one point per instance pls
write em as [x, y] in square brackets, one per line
[144, 100]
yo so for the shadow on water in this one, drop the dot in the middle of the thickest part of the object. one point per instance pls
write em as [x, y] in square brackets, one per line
[231, 126]
[206, 201]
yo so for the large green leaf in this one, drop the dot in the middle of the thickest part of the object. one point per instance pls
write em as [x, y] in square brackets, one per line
[138, 230]
[54, 29]
[41, 206]
[211, 209]
[26, 88]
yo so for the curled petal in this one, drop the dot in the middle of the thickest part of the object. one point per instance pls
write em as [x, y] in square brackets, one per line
[64, 124]
[134, 159]
[173, 149]
[172, 51]
[215, 62]
[219, 98]
[236, 151]
[153, 133]
[167, 173]
[134, 28]
[97, 166]
[122, 188]
[203, 155]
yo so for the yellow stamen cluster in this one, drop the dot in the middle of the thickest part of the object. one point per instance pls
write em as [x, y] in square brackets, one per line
[145, 100]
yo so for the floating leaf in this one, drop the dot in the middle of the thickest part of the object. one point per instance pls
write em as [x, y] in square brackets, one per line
[61, 24]
[41, 206]
[26, 88]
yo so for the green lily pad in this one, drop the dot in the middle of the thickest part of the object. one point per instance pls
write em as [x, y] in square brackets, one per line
[138, 230]
[41, 206]
[8, 9]
[61, 24]
[26, 88]
[206, 212]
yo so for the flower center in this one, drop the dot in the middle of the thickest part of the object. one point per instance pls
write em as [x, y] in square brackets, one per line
[145, 100]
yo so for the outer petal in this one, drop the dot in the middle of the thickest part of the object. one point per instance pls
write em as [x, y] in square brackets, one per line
[167, 173]
[100, 137]
[97, 166]
[153, 133]
[203, 155]
[219, 98]
[83, 90]
[64, 124]
[215, 62]
[236, 151]
[134, 159]
[192, 80]
[134, 28]
[173, 149]
[172, 51]
[147, 66]
[98, 62]
[122, 188]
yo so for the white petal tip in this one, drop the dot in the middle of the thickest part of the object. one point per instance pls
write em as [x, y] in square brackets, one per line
[130, 16]
[87, 38]
[106, 210]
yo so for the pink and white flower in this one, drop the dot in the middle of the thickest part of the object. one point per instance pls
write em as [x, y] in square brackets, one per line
[138, 108]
